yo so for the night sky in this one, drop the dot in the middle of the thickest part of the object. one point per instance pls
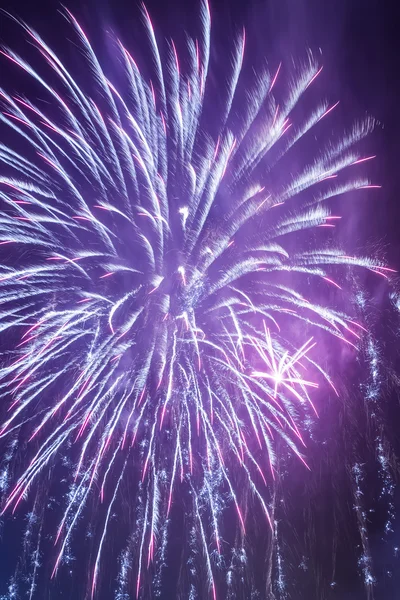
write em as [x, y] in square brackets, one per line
[360, 46]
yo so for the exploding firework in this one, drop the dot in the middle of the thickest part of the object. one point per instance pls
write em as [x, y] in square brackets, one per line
[154, 290]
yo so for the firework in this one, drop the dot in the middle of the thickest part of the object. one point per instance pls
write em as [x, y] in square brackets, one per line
[157, 284]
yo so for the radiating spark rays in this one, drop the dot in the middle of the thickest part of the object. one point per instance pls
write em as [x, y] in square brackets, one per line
[141, 316]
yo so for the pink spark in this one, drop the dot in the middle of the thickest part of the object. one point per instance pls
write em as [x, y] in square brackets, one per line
[163, 415]
[153, 92]
[138, 585]
[328, 110]
[379, 273]
[358, 325]
[313, 78]
[27, 340]
[332, 282]
[50, 162]
[361, 160]
[94, 582]
[161, 377]
[22, 121]
[240, 517]
[105, 446]
[333, 387]
[369, 187]
[12, 59]
[78, 26]
[190, 460]
[217, 148]
[59, 530]
[285, 130]
[163, 123]
[141, 396]
[21, 382]
[34, 327]
[264, 201]
[84, 425]
[275, 77]
[387, 269]
[169, 502]
[328, 177]
[229, 156]
[176, 57]
[20, 359]
[150, 551]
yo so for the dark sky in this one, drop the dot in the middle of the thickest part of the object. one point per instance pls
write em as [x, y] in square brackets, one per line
[360, 45]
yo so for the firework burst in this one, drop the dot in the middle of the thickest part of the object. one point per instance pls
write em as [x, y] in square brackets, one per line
[155, 291]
